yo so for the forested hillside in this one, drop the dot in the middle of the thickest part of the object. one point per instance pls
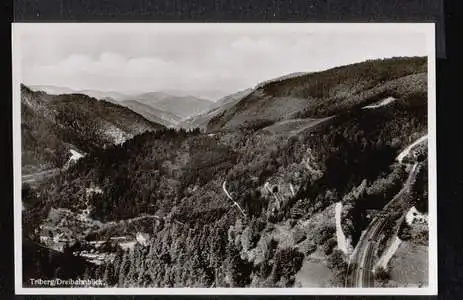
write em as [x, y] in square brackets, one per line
[179, 186]
[52, 124]
[326, 93]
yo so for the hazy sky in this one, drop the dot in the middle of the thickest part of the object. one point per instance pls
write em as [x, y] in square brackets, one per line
[204, 59]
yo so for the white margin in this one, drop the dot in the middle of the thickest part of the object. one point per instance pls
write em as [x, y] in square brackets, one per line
[425, 28]
[17, 184]
[432, 161]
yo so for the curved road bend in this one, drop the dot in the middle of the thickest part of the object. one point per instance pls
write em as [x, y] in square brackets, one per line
[230, 197]
[33, 177]
[360, 270]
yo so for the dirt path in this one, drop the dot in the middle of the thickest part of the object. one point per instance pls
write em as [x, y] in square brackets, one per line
[224, 187]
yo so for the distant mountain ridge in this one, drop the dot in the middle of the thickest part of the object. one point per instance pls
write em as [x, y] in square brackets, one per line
[183, 107]
[58, 90]
[153, 114]
[201, 120]
[211, 95]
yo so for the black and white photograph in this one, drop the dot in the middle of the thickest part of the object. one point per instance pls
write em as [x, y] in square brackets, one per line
[224, 158]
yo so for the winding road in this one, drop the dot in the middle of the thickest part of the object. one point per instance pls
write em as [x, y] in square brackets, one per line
[360, 269]
[224, 187]
[34, 177]
[31, 178]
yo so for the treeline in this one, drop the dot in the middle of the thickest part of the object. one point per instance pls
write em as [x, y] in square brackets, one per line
[359, 76]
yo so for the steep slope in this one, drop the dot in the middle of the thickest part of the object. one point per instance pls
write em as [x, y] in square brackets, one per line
[52, 124]
[201, 120]
[326, 93]
[154, 115]
[183, 107]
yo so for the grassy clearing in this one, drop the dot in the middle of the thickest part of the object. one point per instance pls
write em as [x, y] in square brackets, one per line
[409, 265]
[314, 273]
[293, 126]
